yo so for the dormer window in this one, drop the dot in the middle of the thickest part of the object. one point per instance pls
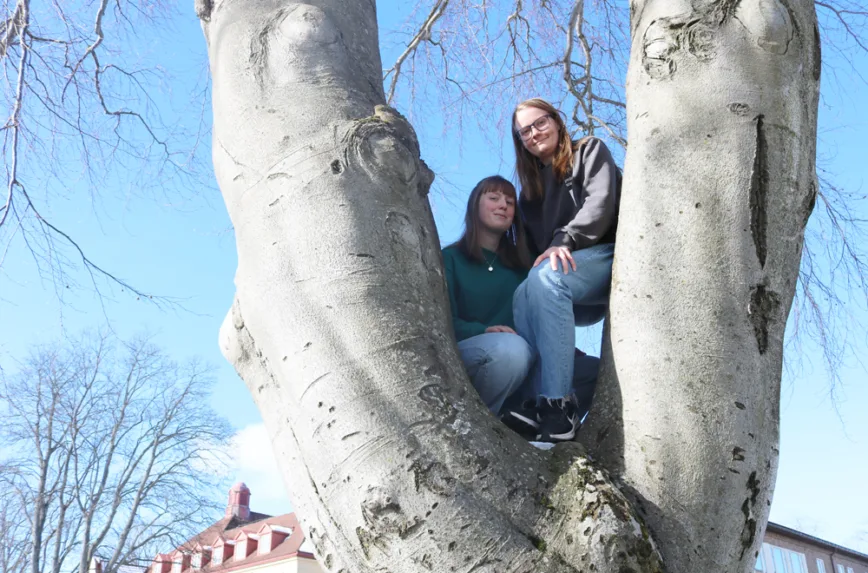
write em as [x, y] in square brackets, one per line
[223, 551]
[270, 536]
[180, 561]
[245, 545]
[201, 557]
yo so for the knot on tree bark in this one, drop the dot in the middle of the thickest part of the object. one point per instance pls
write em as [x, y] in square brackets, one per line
[294, 43]
[769, 22]
[659, 44]
[386, 142]
[383, 515]
[664, 38]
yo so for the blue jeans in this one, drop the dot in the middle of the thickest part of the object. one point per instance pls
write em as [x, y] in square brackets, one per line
[548, 306]
[585, 371]
[497, 363]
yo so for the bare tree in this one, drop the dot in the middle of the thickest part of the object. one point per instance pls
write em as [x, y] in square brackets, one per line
[111, 446]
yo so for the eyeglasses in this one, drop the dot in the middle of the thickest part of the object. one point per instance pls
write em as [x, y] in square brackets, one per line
[541, 124]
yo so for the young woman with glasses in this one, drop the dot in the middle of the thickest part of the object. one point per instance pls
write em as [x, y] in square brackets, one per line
[483, 269]
[569, 205]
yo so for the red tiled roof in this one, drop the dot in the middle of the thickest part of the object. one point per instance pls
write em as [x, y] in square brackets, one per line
[207, 536]
[231, 528]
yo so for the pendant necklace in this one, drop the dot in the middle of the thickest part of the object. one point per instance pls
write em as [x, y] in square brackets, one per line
[490, 263]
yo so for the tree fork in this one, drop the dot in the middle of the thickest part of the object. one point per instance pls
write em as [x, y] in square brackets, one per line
[344, 339]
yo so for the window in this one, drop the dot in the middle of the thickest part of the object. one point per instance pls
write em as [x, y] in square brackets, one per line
[774, 559]
[797, 560]
[778, 559]
[821, 566]
[839, 568]
[849, 570]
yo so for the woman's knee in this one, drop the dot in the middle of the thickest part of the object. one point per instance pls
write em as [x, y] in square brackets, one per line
[512, 352]
[543, 280]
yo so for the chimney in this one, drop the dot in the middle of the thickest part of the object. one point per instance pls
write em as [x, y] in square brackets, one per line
[239, 502]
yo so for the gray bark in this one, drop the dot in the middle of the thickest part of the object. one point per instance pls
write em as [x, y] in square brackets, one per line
[340, 324]
[719, 183]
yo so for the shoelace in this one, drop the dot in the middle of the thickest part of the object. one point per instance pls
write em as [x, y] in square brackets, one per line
[561, 404]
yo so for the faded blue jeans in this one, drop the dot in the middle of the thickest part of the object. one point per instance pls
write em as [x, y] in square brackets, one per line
[548, 306]
[497, 363]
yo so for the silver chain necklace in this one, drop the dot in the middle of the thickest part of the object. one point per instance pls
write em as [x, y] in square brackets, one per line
[490, 263]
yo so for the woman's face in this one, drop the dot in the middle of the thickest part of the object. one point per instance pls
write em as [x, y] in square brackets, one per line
[496, 211]
[538, 132]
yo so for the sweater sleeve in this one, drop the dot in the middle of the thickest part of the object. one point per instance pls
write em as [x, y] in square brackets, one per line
[599, 190]
[463, 328]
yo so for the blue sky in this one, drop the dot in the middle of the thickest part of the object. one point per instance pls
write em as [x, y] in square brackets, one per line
[178, 242]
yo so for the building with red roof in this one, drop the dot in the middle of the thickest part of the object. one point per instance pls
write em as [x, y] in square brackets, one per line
[243, 541]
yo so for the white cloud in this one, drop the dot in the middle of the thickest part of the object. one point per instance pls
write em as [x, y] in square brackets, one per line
[251, 460]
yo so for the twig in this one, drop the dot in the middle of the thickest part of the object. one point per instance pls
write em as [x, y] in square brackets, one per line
[424, 34]
[23, 9]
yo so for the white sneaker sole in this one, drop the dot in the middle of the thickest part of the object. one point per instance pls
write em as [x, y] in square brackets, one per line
[525, 420]
[542, 445]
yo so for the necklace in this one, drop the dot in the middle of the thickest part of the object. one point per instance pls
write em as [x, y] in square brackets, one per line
[491, 262]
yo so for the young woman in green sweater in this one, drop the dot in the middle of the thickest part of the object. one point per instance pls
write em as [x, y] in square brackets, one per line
[483, 269]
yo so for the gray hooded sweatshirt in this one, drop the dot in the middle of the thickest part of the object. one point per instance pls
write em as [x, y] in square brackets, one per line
[581, 211]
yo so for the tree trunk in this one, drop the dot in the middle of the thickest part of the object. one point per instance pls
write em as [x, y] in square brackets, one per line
[340, 325]
[719, 183]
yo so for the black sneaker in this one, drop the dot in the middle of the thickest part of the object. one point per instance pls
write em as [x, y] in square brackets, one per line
[558, 420]
[523, 419]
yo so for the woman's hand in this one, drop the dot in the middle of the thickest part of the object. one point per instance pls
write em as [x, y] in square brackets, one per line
[500, 328]
[555, 254]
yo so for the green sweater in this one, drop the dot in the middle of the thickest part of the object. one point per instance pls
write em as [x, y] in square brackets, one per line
[479, 298]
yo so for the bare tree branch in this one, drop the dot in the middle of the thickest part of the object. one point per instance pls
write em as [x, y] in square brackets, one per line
[852, 17]
[69, 80]
[423, 35]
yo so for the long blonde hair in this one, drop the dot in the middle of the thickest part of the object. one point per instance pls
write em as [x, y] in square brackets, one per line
[527, 166]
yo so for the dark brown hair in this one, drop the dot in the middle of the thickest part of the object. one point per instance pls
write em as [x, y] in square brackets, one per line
[512, 249]
[527, 165]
